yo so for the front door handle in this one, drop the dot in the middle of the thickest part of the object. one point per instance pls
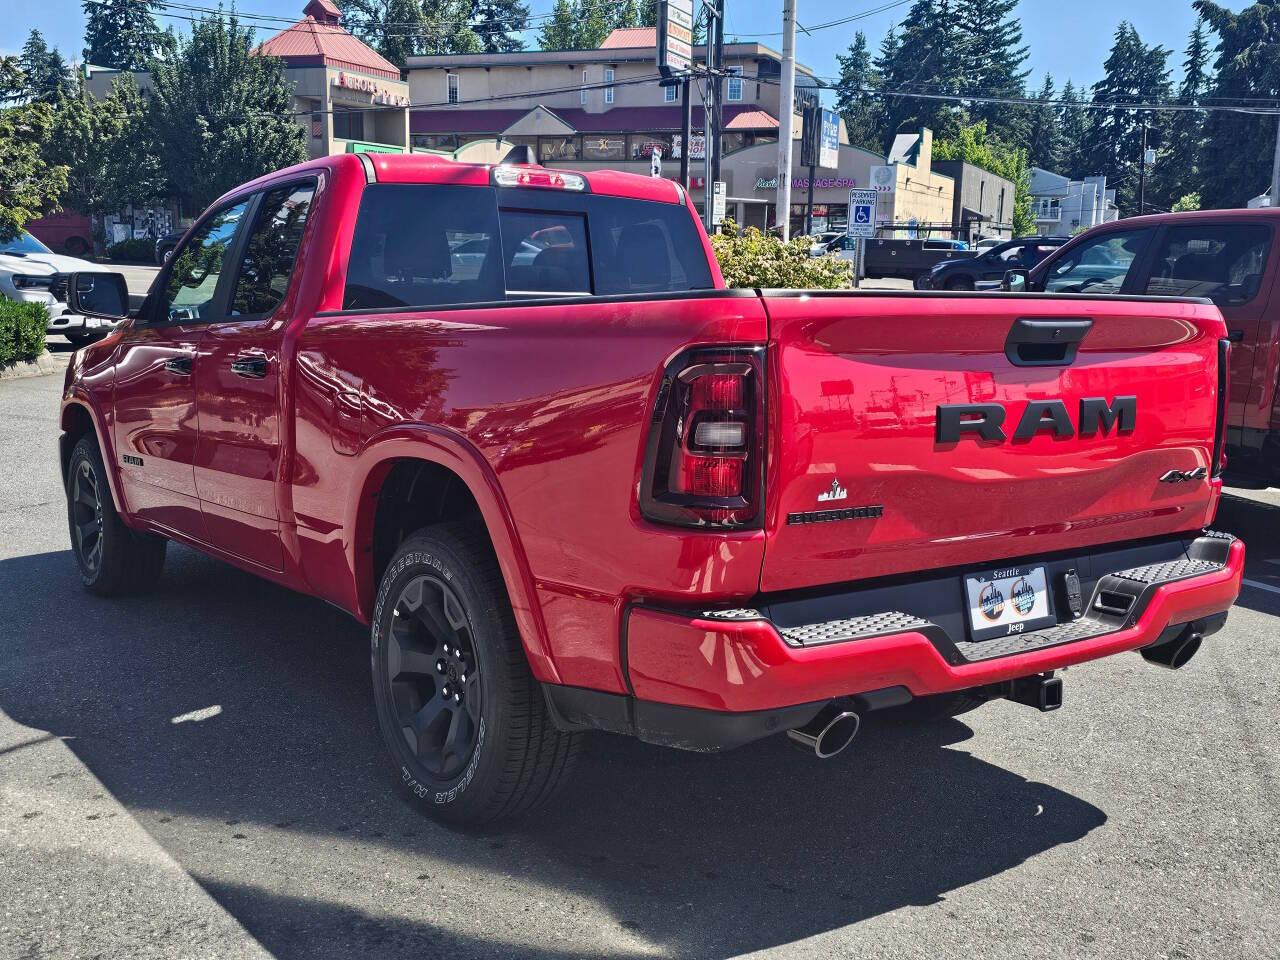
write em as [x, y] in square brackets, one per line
[255, 368]
[1235, 336]
[179, 365]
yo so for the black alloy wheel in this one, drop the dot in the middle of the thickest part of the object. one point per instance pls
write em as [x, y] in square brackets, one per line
[433, 670]
[87, 515]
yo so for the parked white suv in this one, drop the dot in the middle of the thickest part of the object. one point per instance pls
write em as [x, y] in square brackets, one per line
[27, 272]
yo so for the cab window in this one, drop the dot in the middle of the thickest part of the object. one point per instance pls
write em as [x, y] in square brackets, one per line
[1224, 262]
[194, 271]
[1099, 265]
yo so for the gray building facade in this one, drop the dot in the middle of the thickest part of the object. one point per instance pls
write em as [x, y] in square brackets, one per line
[982, 204]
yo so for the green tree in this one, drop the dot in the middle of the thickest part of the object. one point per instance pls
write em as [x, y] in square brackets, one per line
[1177, 172]
[121, 34]
[500, 24]
[1075, 124]
[220, 114]
[924, 58]
[106, 148]
[855, 101]
[395, 28]
[1136, 74]
[560, 29]
[448, 27]
[1189, 201]
[1237, 154]
[991, 51]
[45, 72]
[1044, 130]
[974, 145]
[30, 186]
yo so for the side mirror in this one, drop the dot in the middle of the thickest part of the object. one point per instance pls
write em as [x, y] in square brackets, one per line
[1016, 280]
[104, 295]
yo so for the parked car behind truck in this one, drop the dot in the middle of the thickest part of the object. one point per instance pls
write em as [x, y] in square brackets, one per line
[1228, 256]
[593, 489]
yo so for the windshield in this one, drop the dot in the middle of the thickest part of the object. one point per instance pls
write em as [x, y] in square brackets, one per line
[23, 243]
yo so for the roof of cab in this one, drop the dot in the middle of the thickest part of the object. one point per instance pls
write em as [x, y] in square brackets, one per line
[429, 168]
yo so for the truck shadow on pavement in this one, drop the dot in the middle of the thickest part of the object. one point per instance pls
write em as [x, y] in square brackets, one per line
[281, 805]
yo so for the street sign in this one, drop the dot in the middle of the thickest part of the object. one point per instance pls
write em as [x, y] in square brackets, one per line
[829, 141]
[655, 164]
[717, 201]
[862, 214]
[675, 36]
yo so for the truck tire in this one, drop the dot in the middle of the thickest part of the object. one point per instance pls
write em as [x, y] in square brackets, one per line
[111, 558]
[459, 710]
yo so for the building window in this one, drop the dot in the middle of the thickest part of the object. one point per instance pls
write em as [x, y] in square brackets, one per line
[348, 124]
[734, 85]
[552, 149]
[608, 90]
[671, 94]
[451, 81]
[604, 146]
[582, 94]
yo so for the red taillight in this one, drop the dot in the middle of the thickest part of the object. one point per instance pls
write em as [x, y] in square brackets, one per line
[704, 463]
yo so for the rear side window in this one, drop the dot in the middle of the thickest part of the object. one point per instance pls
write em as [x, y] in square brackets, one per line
[271, 250]
[1224, 262]
[642, 246]
[423, 245]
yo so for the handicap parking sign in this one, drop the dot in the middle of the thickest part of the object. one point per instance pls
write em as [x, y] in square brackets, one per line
[862, 213]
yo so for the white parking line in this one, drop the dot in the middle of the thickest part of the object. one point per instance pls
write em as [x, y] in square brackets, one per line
[1261, 586]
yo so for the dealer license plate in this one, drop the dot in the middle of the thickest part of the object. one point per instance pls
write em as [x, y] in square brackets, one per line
[1008, 601]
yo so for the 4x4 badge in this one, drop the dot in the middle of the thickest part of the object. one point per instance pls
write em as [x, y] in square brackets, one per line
[1178, 476]
[836, 492]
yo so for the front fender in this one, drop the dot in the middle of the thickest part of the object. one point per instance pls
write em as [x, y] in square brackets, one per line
[449, 450]
[77, 395]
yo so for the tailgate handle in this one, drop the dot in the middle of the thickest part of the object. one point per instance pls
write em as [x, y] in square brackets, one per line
[1045, 343]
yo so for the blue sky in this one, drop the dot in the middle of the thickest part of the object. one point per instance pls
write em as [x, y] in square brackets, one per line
[1067, 39]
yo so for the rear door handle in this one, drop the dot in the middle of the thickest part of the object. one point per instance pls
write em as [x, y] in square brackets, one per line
[1235, 336]
[179, 365]
[255, 368]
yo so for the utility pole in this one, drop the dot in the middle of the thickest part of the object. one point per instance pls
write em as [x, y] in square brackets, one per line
[1142, 171]
[1275, 171]
[785, 106]
[717, 110]
[686, 130]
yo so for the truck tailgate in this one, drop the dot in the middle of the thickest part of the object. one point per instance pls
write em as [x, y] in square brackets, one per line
[863, 482]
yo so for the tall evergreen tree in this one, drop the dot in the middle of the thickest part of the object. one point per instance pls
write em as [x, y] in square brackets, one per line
[1044, 133]
[860, 110]
[1075, 124]
[1177, 171]
[560, 30]
[220, 114]
[1237, 155]
[121, 34]
[1135, 74]
[448, 28]
[500, 24]
[395, 28]
[45, 73]
[925, 58]
[991, 51]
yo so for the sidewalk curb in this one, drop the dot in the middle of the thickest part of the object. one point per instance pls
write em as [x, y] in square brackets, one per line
[41, 366]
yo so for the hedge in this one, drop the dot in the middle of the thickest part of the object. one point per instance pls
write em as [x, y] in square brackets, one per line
[133, 249]
[755, 259]
[22, 328]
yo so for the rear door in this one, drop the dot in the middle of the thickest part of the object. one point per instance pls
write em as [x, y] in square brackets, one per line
[238, 460]
[156, 426]
[867, 479]
[1231, 263]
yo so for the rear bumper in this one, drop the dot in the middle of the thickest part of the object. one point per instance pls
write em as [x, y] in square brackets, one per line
[763, 660]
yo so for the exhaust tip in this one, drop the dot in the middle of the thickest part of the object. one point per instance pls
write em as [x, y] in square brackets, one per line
[828, 733]
[1176, 653]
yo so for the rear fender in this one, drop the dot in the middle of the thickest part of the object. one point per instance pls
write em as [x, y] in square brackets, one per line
[424, 442]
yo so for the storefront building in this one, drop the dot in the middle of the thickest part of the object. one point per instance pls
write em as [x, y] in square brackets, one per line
[914, 199]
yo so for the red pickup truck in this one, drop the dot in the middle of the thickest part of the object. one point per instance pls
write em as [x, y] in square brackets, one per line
[511, 418]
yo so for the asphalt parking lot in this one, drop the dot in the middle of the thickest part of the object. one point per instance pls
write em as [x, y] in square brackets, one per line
[196, 773]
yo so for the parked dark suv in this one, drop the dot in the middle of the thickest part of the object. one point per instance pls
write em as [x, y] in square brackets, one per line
[966, 274]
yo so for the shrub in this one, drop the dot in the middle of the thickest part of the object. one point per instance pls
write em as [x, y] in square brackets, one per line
[756, 260]
[133, 249]
[22, 327]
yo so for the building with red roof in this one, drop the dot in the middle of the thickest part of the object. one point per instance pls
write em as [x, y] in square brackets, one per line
[597, 108]
[348, 96]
